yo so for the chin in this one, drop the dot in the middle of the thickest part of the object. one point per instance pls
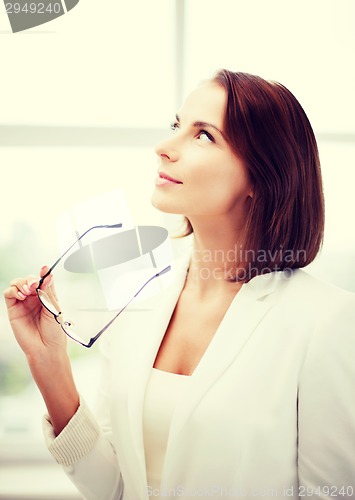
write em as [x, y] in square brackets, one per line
[163, 203]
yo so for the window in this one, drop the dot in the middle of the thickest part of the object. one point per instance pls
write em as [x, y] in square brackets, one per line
[109, 64]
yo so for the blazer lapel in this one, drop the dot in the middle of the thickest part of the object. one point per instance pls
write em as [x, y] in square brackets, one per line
[146, 342]
[244, 314]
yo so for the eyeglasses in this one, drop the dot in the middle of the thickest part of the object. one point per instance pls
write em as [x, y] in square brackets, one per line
[52, 306]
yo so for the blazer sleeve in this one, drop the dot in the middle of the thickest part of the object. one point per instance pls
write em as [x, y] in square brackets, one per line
[85, 451]
[326, 406]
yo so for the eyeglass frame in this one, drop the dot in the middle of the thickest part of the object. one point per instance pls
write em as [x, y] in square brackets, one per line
[57, 316]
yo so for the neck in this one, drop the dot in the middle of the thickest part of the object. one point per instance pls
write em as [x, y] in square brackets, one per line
[215, 257]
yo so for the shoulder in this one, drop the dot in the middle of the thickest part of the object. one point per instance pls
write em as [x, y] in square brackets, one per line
[330, 312]
[307, 292]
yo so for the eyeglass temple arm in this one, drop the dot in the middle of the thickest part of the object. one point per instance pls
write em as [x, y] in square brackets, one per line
[160, 273]
[109, 226]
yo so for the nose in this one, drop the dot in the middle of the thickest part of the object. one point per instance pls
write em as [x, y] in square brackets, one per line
[166, 150]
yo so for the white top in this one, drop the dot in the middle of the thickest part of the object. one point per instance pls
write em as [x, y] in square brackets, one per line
[162, 392]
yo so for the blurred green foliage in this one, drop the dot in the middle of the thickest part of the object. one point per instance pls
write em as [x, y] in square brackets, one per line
[20, 254]
[14, 376]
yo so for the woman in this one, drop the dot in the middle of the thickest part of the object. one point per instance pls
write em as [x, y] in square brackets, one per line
[239, 382]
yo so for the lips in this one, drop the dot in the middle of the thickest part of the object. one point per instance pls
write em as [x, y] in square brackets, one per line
[165, 178]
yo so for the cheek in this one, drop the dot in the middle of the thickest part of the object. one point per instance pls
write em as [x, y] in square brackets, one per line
[220, 188]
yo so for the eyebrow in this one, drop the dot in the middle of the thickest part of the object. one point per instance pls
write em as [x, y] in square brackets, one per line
[200, 124]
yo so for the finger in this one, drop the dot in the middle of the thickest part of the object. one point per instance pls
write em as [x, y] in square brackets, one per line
[18, 282]
[50, 288]
[48, 280]
[48, 285]
[27, 286]
[43, 271]
[49, 296]
[13, 292]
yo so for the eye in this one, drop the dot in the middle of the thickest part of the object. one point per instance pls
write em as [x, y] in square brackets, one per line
[205, 136]
[174, 126]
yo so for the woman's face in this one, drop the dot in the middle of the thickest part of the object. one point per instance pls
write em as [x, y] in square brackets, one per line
[198, 174]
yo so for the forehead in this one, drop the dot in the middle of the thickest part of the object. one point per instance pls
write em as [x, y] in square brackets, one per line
[206, 103]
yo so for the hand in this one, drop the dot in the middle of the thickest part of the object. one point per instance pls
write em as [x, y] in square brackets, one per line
[35, 328]
[43, 341]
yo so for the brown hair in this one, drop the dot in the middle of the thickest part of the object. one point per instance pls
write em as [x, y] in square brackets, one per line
[267, 128]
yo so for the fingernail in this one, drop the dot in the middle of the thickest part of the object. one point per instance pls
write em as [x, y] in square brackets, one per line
[21, 295]
[25, 288]
[31, 283]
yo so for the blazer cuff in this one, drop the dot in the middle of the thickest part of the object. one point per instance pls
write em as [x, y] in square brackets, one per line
[76, 439]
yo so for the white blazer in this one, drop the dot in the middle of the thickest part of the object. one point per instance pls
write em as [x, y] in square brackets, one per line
[269, 411]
